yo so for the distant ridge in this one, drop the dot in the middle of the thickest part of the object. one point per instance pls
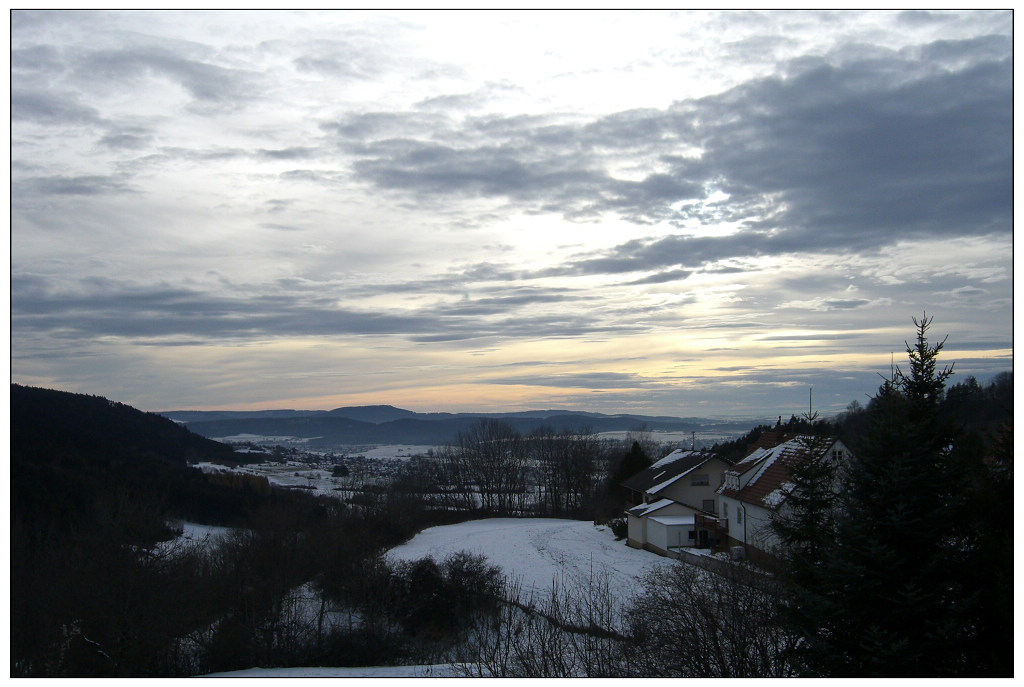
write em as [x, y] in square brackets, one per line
[374, 414]
[386, 424]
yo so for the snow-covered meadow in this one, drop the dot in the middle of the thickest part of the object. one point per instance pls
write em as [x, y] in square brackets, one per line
[537, 552]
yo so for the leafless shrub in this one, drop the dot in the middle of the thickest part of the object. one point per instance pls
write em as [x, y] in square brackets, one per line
[690, 622]
[572, 630]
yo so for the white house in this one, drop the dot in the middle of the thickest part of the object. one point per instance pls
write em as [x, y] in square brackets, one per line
[669, 501]
[758, 485]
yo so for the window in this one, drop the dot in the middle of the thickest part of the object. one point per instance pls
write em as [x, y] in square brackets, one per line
[708, 505]
[837, 454]
[699, 480]
[739, 516]
[725, 510]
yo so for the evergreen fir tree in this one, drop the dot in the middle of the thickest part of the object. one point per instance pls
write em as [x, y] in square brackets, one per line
[806, 528]
[901, 589]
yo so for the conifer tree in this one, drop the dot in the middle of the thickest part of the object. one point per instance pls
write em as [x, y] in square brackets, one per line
[806, 528]
[897, 593]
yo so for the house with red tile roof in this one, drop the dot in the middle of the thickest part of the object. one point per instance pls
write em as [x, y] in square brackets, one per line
[758, 486]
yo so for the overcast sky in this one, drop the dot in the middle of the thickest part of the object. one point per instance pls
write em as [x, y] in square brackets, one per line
[704, 213]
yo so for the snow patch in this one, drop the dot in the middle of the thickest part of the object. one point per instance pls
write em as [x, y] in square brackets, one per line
[538, 551]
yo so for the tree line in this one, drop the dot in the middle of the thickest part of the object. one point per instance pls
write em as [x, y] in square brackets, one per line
[491, 469]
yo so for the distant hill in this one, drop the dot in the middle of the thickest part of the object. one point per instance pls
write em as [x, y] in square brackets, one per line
[385, 424]
[374, 414]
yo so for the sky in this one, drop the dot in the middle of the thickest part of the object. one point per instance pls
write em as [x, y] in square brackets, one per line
[708, 213]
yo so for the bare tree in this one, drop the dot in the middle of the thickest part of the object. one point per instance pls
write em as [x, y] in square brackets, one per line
[691, 622]
[454, 481]
[494, 456]
[566, 462]
[572, 630]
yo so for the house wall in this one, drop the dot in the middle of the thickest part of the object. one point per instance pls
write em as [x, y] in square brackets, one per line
[754, 530]
[757, 530]
[759, 534]
[684, 491]
[660, 536]
[636, 531]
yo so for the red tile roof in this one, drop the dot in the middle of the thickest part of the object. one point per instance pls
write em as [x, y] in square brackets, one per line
[769, 440]
[770, 468]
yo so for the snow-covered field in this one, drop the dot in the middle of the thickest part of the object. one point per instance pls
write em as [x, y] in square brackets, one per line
[536, 551]
[199, 533]
[365, 464]
[288, 474]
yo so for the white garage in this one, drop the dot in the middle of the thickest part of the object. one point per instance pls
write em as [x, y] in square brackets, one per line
[665, 532]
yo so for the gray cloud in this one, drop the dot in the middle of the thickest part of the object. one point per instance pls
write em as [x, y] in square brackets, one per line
[207, 83]
[296, 153]
[581, 380]
[45, 107]
[856, 165]
[109, 307]
[352, 129]
[840, 157]
[463, 101]
[127, 140]
[490, 170]
[663, 277]
[37, 59]
[88, 185]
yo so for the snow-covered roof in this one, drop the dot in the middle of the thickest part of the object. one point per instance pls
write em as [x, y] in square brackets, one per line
[764, 475]
[678, 454]
[668, 470]
[645, 508]
[673, 519]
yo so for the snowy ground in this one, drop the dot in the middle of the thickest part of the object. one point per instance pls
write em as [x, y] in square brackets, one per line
[198, 533]
[534, 550]
[289, 474]
[366, 465]
[537, 551]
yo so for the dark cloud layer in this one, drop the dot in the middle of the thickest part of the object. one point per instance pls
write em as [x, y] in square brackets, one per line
[205, 82]
[845, 157]
[110, 307]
